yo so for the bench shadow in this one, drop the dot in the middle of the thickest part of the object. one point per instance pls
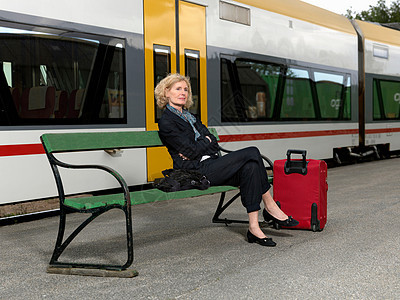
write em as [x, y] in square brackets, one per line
[153, 224]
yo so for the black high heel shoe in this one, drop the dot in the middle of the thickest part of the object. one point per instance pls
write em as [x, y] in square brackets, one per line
[251, 238]
[289, 222]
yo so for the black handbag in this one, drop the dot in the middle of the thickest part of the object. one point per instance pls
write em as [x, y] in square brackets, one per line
[180, 180]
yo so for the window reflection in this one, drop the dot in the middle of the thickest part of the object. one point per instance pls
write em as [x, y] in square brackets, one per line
[297, 97]
[249, 97]
[61, 78]
[386, 99]
[333, 95]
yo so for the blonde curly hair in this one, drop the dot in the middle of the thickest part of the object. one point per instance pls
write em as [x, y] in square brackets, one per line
[166, 84]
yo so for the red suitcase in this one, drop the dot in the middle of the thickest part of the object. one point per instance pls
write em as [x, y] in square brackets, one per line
[300, 189]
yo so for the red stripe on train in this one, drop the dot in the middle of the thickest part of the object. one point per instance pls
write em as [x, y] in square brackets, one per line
[23, 149]
[283, 135]
[382, 130]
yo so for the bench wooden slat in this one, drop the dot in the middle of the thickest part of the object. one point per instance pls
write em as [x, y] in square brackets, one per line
[140, 197]
[91, 202]
[84, 141]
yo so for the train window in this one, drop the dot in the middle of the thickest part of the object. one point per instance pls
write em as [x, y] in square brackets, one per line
[192, 70]
[297, 101]
[380, 51]
[162, 67]
[254, 91]
[234, 13]
[386, 99]
[377, 101]
[61, 78]
[333, 91]
[248, 90]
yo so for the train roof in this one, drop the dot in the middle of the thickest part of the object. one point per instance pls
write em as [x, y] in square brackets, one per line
[305, 12]
[380, 34]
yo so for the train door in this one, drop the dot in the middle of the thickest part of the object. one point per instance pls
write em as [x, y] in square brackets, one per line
[175, 41]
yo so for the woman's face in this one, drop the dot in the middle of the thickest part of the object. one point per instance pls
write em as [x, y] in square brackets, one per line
[177, 95]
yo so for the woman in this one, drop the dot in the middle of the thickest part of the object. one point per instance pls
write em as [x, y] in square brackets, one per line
[192, 146]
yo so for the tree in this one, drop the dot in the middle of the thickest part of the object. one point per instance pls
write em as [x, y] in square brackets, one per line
[379, 13]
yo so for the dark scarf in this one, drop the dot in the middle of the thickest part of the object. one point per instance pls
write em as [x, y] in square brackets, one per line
[186, 116]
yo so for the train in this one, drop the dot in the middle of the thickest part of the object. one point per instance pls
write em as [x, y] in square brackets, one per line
[276, 74]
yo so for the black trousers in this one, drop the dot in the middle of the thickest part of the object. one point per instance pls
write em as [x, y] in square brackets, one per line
[242, 168]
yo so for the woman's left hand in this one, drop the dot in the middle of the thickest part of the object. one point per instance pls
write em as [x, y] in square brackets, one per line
[213, 146]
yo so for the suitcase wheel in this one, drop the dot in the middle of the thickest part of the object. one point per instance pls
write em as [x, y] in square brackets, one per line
[314, 227]
[314, 218]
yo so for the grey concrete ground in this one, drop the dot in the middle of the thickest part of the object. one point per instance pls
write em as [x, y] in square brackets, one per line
[180, 254]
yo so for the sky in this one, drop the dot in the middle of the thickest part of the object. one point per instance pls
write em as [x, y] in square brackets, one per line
[341, 6]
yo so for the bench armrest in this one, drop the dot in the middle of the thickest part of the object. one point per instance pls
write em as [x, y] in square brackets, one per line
[269, 162]
[55, 162]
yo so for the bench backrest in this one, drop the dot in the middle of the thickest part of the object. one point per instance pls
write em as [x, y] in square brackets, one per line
[84, 141]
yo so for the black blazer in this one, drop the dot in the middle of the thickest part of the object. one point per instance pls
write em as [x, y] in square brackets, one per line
[178, 136]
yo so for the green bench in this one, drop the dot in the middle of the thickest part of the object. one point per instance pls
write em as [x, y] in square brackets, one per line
[96, 205]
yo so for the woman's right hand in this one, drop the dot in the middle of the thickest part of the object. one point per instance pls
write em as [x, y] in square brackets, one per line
[183, 156]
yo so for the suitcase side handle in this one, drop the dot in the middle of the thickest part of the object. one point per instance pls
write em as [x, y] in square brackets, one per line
[296, 166]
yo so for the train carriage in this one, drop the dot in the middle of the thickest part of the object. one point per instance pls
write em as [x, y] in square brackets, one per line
[382, 84]
[275, 74]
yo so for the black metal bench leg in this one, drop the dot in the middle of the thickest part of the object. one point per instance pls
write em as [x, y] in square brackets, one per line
[129, 237]
[218, 212]
[102, 270]
[60, 237]
[222, 207]
[60, 246]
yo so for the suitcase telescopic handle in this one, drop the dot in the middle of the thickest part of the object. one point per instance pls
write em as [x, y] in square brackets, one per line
[292, 166]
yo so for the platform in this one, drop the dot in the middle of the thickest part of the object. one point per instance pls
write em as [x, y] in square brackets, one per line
[180, 254]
